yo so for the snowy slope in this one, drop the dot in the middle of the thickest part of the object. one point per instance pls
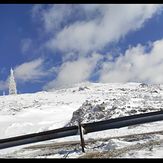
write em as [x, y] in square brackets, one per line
[29, 113]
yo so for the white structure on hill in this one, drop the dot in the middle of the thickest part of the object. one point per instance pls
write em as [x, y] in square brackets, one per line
[12, 83]
[4, 93]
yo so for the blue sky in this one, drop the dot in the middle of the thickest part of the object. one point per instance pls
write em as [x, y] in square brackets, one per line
[55, 46]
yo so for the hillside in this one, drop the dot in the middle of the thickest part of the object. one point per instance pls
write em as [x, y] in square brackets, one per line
[29, 113]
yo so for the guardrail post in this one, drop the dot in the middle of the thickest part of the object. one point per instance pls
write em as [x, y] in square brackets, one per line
[82, 143]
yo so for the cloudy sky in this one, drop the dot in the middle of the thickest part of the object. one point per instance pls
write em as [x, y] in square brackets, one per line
[57, 45]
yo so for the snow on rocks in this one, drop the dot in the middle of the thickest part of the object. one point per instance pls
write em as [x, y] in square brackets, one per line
[89, 102]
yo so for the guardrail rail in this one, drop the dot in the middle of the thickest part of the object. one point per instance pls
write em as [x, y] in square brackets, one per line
[82, 129]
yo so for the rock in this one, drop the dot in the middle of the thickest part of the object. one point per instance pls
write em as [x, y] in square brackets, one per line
[82, 88]
[154, 91]
[99, 108]
[143, 85]
[133, 111]
[100, 116]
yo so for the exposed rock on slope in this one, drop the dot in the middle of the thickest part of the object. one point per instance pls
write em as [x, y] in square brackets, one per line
[120, 102]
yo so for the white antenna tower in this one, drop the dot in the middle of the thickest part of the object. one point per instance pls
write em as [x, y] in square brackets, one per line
[12, 83]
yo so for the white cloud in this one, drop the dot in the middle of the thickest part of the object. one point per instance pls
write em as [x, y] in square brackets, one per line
[52, 16]
[3, 85]
[37, 8]
[81, 29]
[136, 65]
[30, 71]
[101, 25]
[72, 72]
[26, 45]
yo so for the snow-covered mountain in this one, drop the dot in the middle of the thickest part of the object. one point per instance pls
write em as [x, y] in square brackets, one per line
[29, 113]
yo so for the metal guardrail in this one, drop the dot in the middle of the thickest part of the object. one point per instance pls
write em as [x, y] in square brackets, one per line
[86, 128]
[37, 137]
[123, 121]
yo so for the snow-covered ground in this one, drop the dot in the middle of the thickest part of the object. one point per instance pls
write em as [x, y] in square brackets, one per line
[30, 113]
